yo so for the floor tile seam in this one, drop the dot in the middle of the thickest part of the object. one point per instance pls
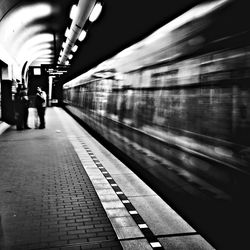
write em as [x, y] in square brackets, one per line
[145, 230]
[172, 235]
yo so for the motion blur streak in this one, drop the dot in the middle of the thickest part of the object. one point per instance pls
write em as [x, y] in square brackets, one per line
[178, 107]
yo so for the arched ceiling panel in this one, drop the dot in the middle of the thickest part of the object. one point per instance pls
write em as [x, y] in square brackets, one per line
[43, 53]
[24, 23]
[18, 22]
[23, 36]
[25, 50]
[37, 48]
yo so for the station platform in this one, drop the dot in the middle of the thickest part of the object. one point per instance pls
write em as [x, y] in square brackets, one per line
[61, 189]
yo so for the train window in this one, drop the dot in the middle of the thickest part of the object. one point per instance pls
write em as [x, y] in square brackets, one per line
[156, 79]
[164, 78]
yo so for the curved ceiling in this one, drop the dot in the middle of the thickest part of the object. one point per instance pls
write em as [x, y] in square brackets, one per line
[32, 31]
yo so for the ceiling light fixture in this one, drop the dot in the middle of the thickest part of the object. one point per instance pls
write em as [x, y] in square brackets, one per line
[74, 49]
[67, 32]
[73, 12]
[95, 12]
[82, 35]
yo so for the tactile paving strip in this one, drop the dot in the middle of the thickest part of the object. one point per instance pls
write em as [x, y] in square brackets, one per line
[149, 236]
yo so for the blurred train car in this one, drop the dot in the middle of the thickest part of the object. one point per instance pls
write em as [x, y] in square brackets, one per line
[177, 103]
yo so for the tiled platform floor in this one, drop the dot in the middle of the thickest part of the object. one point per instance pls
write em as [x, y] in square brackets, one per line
[47, 200]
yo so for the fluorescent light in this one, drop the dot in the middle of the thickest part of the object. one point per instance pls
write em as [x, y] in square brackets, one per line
[74, 49]
[82, 35]
[70, 57]
[95, 13]
[67, 62]
[67, 32]
[73, 12]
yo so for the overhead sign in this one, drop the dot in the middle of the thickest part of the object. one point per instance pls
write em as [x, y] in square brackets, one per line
[57, 70]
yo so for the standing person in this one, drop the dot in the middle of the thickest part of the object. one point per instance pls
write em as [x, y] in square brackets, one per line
[19, 108]
[40, 103]
[26, 103]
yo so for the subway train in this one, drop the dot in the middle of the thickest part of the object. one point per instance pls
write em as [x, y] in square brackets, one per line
[177, 104]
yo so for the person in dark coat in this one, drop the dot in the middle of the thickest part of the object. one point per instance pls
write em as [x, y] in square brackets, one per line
[26, 104]
[40, 103]
[19, 108]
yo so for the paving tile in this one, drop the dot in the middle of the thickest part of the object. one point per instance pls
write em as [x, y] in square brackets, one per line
[189, 242]
[112, 204]
[139, 244]
[161, 218]
[128, 232]
[117, 212]
[125, 221]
